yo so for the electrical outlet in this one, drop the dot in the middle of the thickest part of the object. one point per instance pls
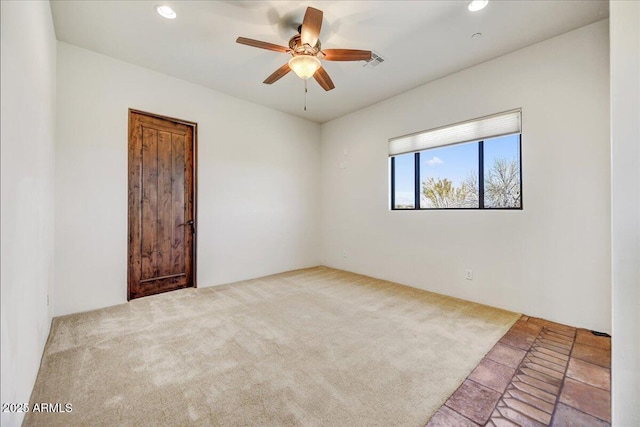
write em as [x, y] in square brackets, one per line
[344, 253]
[469, 275]
[47, 300]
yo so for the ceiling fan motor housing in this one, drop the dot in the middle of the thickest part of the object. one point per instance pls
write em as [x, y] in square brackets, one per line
[298, 48]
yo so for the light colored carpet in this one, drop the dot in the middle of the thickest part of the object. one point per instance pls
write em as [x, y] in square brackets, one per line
[313, 347]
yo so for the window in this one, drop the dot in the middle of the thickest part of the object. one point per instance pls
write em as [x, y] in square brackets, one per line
[449, 177]
[501, 170]
[470, 165]
[404, 179]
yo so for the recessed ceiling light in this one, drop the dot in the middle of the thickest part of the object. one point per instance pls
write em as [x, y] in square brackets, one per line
[165, 11]
[476, 36]
[476, 5]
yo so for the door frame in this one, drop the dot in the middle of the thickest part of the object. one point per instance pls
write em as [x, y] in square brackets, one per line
[194, 189]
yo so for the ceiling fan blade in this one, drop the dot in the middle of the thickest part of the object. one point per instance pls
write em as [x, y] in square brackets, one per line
[311, 24]
[278, 74]
[346, 55]
[323, 79]
[262, 45]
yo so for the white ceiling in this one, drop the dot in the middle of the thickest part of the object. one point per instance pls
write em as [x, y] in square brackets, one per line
[420, 40]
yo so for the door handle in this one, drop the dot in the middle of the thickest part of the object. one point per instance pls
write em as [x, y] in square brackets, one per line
[192, 224]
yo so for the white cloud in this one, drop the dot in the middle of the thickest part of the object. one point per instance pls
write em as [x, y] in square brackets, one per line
[434, 161]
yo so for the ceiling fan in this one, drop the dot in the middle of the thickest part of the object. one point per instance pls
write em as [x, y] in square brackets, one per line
[306, 52]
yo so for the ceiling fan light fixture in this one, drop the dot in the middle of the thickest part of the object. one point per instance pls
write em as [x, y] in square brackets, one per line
[477, 5]
[304, 66]
[166, 11]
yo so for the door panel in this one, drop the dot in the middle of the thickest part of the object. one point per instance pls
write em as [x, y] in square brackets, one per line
[161, 208]
[166, 225]
[149, 202]
[177, 189]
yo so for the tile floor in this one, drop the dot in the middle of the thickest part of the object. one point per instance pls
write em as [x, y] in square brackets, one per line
[539, 374]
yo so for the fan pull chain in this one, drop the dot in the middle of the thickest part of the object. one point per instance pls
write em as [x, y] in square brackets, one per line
[305, 95]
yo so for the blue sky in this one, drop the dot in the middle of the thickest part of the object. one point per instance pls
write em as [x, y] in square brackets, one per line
[453, 162]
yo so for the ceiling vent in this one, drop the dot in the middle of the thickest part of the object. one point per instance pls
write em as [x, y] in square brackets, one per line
[375, 60]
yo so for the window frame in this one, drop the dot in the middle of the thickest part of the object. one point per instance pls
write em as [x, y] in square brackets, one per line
[418, 184]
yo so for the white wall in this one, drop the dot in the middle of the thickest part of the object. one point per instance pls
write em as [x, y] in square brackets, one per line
[258, 204]
[27, 133]
[551, 259]
[625, 210]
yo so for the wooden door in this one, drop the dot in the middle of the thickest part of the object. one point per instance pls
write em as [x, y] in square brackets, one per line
[161, 205]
